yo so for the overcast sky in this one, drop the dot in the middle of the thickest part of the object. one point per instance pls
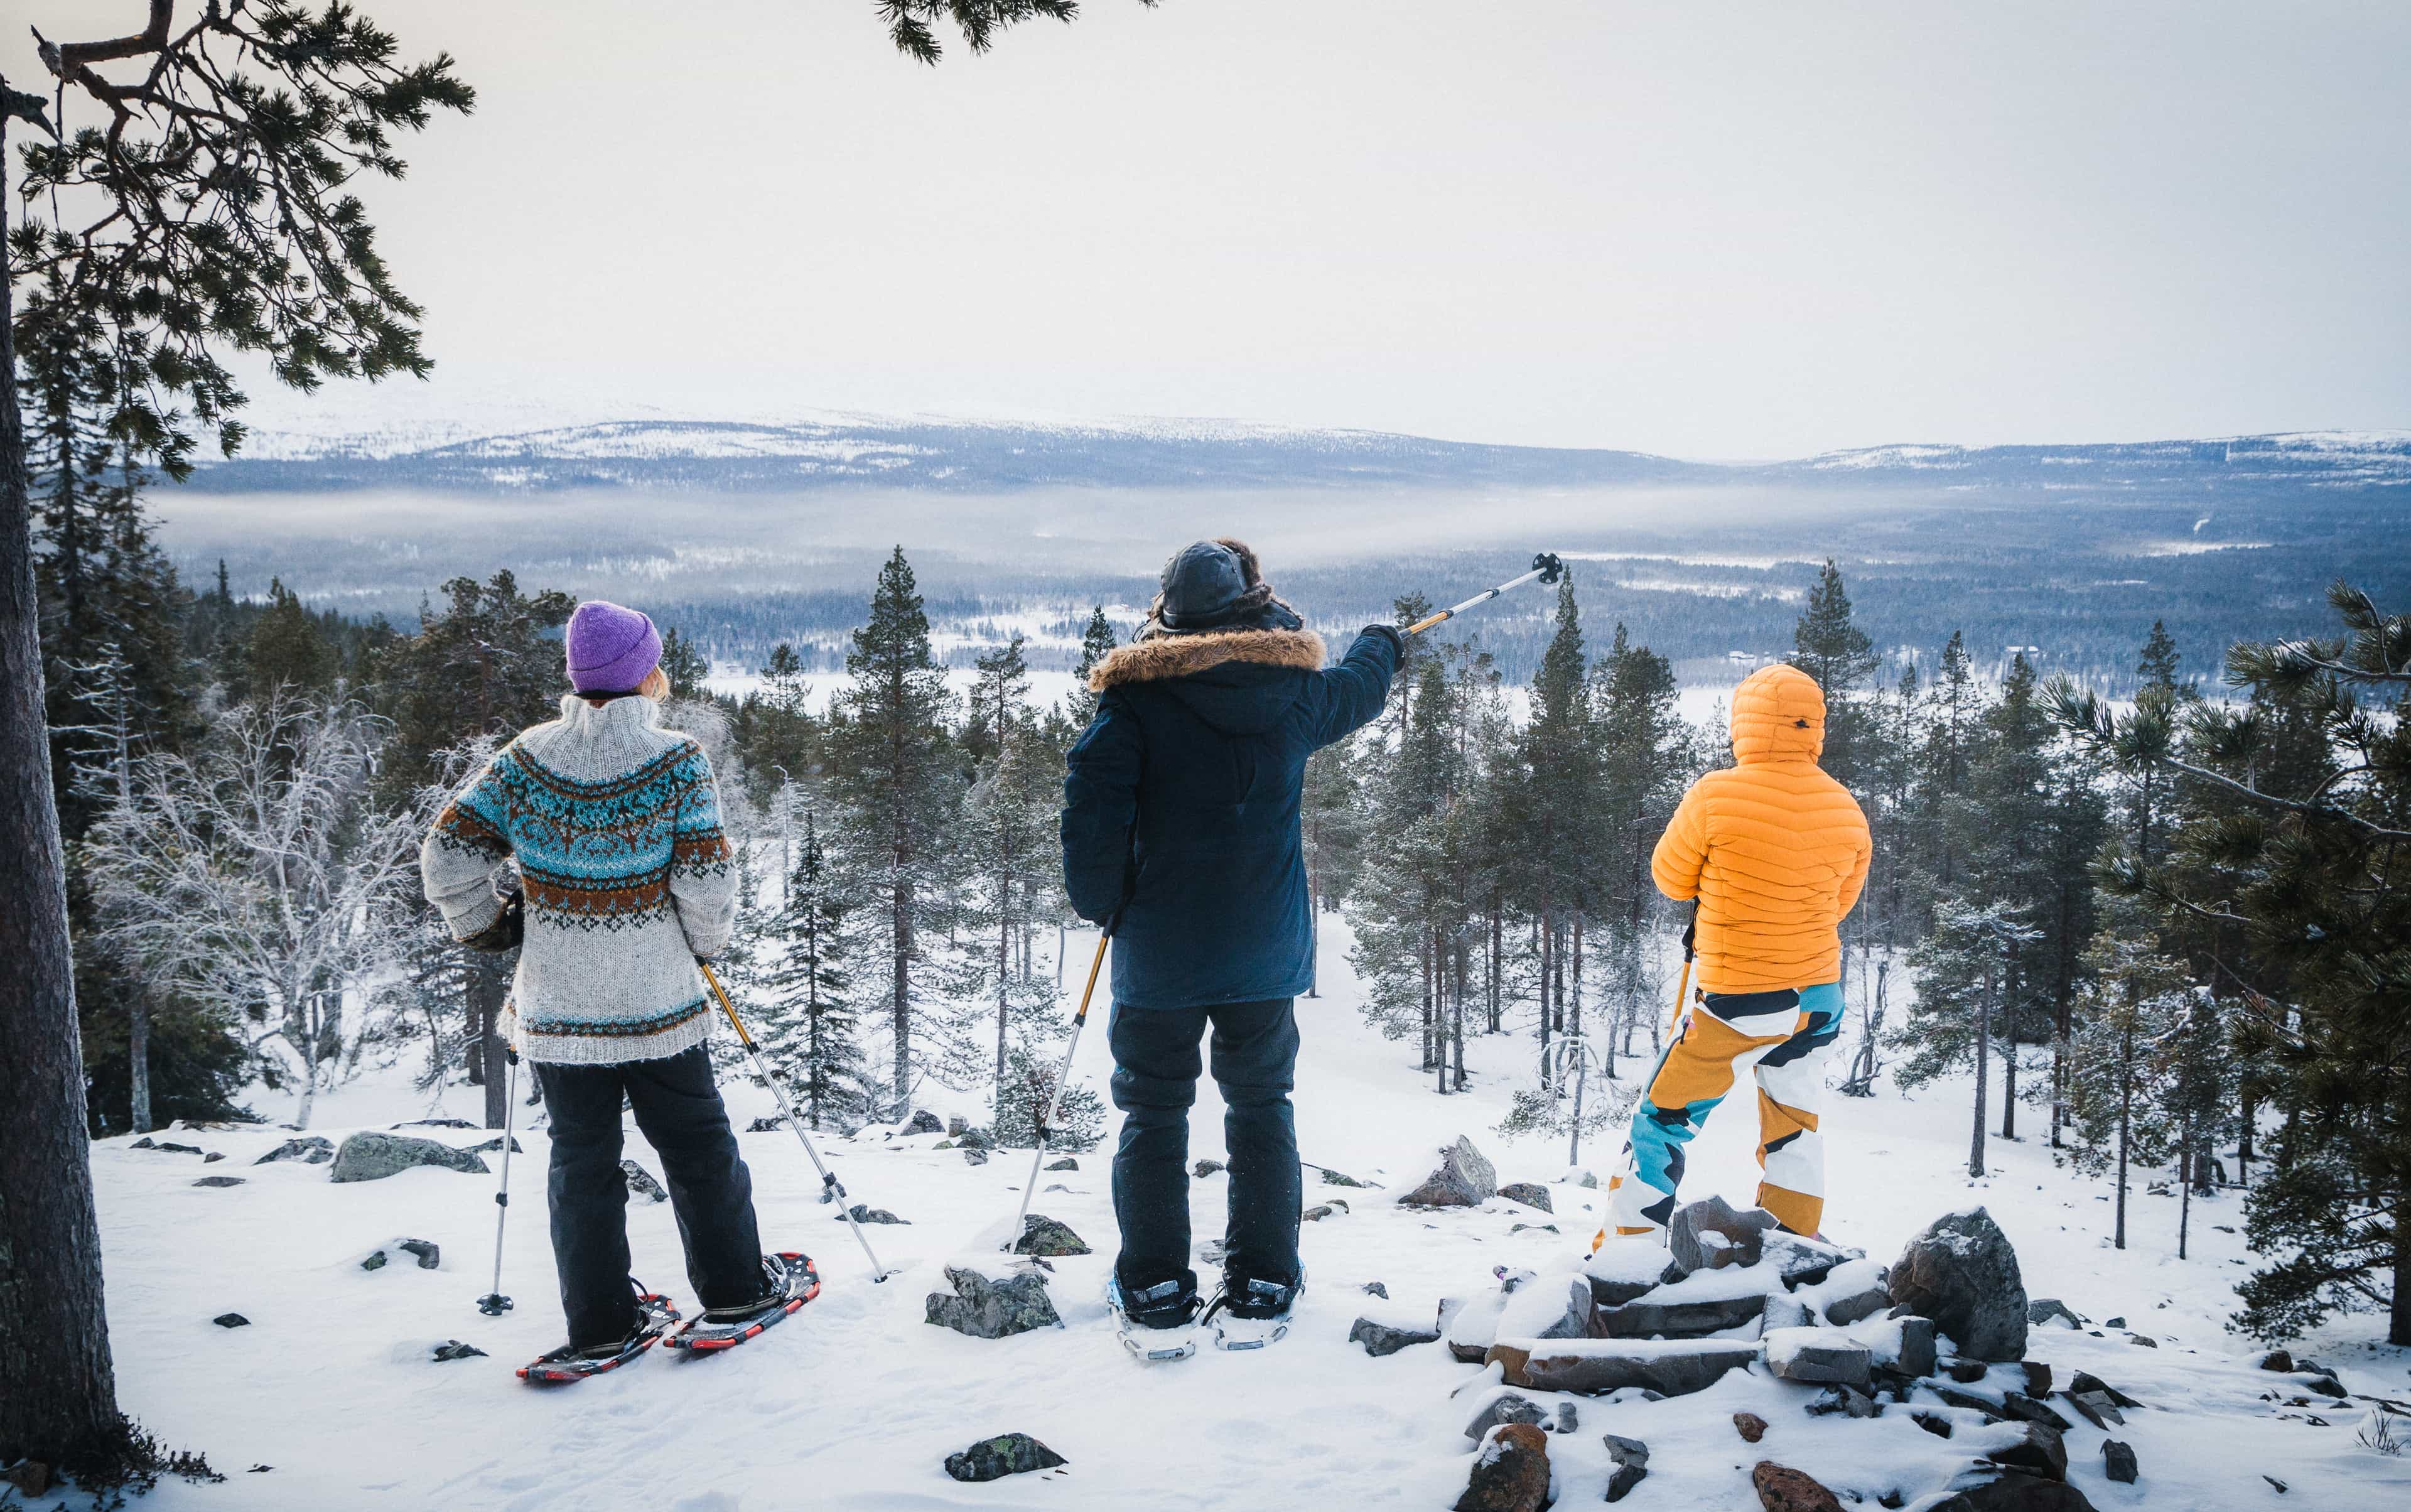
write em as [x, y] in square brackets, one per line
[1733, 229]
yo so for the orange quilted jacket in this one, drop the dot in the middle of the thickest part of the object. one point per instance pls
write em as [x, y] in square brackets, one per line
[1774, 850]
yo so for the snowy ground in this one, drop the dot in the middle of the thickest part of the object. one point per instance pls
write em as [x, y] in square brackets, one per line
[854, 1402]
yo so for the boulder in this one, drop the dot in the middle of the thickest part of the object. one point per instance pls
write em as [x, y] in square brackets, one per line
[2094, 1408]
[2083, 1381]
[1464, 1178]
[1801, 1261]
[1903, 1345]
[311, 1150]
[2019, 1407]
[1625, 1267]
[2276, 1359]
[1042, 1235]
[219, 1180]
[1208, 1167]
[452, 1349]
[1782, 1488]
[1982, 1491]
[641, 1182]
[2118, 1462]
[231, 1320]
[924, 1122]
[975, 1140]
[1321, 1211]
[1505, 1407]
[1557, 1308]
[862, 1212]
[1593, 1367]
[1380, 1339]
[1963, 1274]
[1677, 1317]
[957, 1126]
[1852, 1307]
[368, 1157]
[2036, 1451]
[1818, 1356]
[1737, 1237]
[975, 1155]
[1844, 1401]
[2038, 1375]
[494, 1147]
[767, 1122]
[1066, 1164]
[1007, 1454]
[2050, 1313]
[1530, 1193]
[1510, 1473]
[1631, 1458]
[426, 1252]
[1784, 1311]
[993, 1307]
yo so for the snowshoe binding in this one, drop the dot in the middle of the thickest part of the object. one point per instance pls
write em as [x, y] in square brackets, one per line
[1250, 1313]
[1157, 1324]
[789, 1281]
[655, 1317]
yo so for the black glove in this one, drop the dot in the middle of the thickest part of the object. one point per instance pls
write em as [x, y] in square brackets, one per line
[1691, 935]
[1390, 634]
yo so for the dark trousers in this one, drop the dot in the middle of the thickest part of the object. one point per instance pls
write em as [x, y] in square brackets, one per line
[1156, 1065]
[678, 1109]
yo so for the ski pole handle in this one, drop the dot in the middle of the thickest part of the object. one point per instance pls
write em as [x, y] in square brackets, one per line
[726, 1006]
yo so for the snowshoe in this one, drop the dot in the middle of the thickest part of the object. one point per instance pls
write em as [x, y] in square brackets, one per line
[656, 1315]
[1249, 1315]
[1158, 1324]
[789, 1282]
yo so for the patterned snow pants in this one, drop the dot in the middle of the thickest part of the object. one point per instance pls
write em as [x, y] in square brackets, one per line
[1784, 1036]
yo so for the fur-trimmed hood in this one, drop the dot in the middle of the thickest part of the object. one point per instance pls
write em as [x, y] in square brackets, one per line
[1171, 656]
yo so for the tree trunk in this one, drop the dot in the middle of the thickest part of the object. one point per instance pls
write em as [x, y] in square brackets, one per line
[900, 994]
[488, 988]
[58, 1388]
[1548, 933]
[2125, 1123]
[1497, 952]
[2250, 1114]
[2010, 1075]
[1983, 1050]
[2187, 1160]
[138, 1057]
[2397, 1328]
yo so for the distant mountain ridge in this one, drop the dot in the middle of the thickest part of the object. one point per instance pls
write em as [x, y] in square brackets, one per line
[830, 451]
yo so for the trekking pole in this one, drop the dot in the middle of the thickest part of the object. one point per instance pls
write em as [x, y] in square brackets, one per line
[1683, 982]
[829, 1183]
[1062, 1080]
[1545, 568]
[494, 1305]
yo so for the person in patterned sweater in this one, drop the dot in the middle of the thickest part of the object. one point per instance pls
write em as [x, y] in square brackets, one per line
[613, 824]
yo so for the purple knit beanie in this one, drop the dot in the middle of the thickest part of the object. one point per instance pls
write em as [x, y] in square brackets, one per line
[610, 649]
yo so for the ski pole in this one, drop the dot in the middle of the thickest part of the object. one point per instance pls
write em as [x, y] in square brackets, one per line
[1545, 568]
[1062, 1080]
[1683, 982]
[494, 1305]
[828, 1179]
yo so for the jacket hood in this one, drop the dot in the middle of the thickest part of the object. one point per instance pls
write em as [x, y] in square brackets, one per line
[1235, 679]
[1778, 714]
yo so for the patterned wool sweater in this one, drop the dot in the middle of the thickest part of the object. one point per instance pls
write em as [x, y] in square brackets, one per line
[615, 825]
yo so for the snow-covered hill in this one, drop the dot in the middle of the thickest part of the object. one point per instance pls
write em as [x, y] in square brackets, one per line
[328, 1399]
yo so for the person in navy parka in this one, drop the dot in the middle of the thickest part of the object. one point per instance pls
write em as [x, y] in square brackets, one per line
[1181, 820]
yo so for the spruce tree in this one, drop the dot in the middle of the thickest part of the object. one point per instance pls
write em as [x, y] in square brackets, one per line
[1641, 767]
[896, 787]
[1829, 647]
[288, 648]
[808, 992]
[1008, 857]
[1097, 642]
[1967, 981]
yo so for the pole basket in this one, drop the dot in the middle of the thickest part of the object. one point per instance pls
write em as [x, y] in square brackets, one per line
[1548, 566]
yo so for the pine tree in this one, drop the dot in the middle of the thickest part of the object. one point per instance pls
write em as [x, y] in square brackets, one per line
[1097, 642]
[1829, 647]
[2138, 999]
[1009, 858]
[897, 786]
[1641, 766]
[1966, 980]
[288, 648]
[2157, 663]
[684, 662]
[1554, 809]
[808, 992]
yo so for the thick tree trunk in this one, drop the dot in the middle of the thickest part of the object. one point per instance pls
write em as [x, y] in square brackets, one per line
[901, 996]
[2397, 1328]
[138, 1058]
[58, 1390]
[2126, 1124]
[487, 986]
[1983, 1050]
[1497, 953]
[2010, 1076]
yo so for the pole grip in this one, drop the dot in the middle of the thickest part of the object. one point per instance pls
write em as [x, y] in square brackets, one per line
[726, 1006]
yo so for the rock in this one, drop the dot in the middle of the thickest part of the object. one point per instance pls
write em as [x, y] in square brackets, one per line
[1056, 1186]
[1333, 1178]
[641, 1182]
[1505, 1407]
[2144, 1339]
[428, 1254]
[957, 1126]
[990, 1307]
[1816, 1356]
[1042, 1235]
[1784, 1311]
[1374, 1288]
[767, 1122]
[1066, 1164]
[1845, 1400]
[2037, 1376]
[1970, 1401]
[1631, 1458]
[975, 1155]
[435, 1123]
[219, 1180]
[924, 1122]
[2036, 1450]
[212, 1157]
[1321, 1211]
[1741, 1234]
[2118, 1462]
[974, 1139]
[1579, 1177]
[1559, 1308]
[1537, 1228]
[1968, 1372]
[2276, 1359]
[1208, 1167]
[1932, 1422]
[1963, 1274]
[1530, 1193]
[2118, 1322]
[311, 1150]
[32, 1477]
[369, 1156]
[1007, 1454]
[862, 1212]
[1471, 1327]
[1904, 1345]
[2026, 1409]
[1380, 1339]
[1651, 1318]
[1465, 1179]
[2083, 1381]
[2050, 1313]
[231, 1320]
[1751, 1426]
[1852, 1307]
[146, 1143]
[2094, 1408]
[1593, 1367]
[494, 1147]
[2010, 1493]
[1782, 1488]
[451, 1349]
[1801, 1261]
[1511, 1474]
[1624, 1269]
[1568, 1420]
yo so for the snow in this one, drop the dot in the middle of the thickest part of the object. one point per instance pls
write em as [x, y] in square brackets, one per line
[854, 1402]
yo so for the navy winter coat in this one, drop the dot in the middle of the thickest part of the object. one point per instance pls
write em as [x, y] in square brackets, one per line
[1181, 807]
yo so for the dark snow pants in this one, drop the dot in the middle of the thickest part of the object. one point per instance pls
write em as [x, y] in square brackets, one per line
[679, 1109]
[1156, 1065]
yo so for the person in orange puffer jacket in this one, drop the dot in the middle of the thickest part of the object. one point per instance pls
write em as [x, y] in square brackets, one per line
[1776, 852]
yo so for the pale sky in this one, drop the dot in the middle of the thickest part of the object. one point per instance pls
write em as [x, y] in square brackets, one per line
[1721, 230]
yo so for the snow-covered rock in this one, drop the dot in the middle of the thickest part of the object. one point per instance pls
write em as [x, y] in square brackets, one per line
[1530, 1193]
[1511, 1471]
[310, 1149]
[641, 1182]
[1625, 1267]
[992, 1303]
[1710, 1234]
[1701, 1303]
[1553, 1307]
[370, 1156]
[1042, 1235]
[1007, 1454]
[1817, 1356]
[1963, 1274]
[1592, 1367]
[1387, 1338]
[1464, 1178]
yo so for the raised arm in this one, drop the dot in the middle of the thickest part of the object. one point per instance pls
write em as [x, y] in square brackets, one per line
[703, 870]
[1351, 694]
[1099, 807]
